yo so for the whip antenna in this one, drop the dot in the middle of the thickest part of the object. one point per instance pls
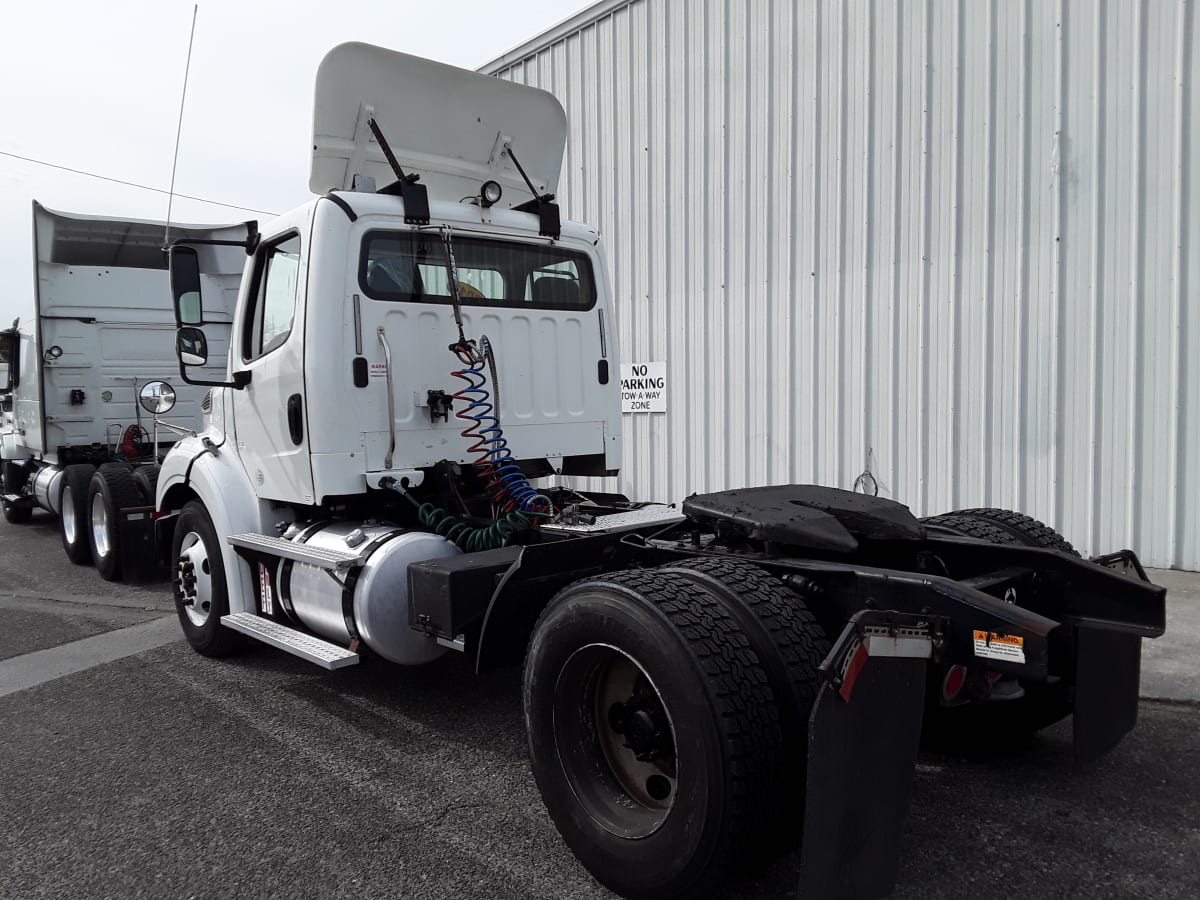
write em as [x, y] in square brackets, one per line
[179, 127]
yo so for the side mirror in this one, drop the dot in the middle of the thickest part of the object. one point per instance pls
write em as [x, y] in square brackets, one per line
[192, 347]
[157, 397]
[185, 286]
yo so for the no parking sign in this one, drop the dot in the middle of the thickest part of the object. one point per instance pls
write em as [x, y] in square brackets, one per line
[644, 387]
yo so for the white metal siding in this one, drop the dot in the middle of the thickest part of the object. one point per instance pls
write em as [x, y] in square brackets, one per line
[960, 239]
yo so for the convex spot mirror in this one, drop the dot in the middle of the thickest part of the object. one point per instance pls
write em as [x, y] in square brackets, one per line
[156, 397]
[185, 286]
[192, 346]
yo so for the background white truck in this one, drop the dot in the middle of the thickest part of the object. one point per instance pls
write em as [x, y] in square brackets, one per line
[73, 438]
[703, 687]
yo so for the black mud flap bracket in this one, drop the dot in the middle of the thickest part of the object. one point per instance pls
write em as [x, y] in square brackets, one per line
[863, 737]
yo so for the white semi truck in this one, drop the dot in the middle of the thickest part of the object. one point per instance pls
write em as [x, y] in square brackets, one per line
[74, 439]
[703, 687]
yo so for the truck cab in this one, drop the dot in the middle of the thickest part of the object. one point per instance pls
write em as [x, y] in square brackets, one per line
[345, 308]
[416, 346]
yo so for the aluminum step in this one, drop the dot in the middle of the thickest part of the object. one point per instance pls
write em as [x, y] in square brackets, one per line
[645, 517]
[322, 653]
[314, 556]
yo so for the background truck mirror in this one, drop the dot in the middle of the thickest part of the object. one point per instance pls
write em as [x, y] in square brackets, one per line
[157, 397]
[185, 286]
[192, 346]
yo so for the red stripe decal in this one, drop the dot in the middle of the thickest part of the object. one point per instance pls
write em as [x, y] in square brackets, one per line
[856, 665]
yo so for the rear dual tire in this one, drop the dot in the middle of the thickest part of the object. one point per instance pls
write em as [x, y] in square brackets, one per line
[73, 513]
[112, 488]
[1043, 703]
[653, 704]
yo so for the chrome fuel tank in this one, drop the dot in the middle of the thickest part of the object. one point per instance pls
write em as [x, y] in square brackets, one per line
[374, 601]
[47, 484]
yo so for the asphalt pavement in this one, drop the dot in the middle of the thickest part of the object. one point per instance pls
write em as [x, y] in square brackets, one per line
[132, 767]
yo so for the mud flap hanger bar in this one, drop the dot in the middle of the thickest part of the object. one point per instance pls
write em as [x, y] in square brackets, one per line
[863, 737]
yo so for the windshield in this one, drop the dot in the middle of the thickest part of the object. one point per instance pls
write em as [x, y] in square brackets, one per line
[8, 361]
[411, 266]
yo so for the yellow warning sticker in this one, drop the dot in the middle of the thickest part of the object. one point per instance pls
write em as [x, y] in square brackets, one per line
[992, 645]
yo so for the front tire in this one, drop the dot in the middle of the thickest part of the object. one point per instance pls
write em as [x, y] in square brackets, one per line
[73, 513]
[652, 730]
[111, 489]
[14, 478]
[17, 515]
[199, 586]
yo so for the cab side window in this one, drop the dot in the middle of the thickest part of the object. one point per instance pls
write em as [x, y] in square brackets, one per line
[274, 307]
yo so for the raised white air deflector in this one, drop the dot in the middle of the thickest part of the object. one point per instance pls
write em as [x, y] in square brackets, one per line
[451, 126]
[622, 521]
[315, 556]
[321, 653]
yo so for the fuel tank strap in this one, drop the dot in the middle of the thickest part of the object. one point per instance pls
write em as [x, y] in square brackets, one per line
[348, 584]
[352, 581]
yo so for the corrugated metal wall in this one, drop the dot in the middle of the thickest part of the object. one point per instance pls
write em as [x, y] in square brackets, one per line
[958, 240]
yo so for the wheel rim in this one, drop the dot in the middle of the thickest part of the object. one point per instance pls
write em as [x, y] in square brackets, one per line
[70, 526]
[99, 525]
[193, 578]
[615, 740]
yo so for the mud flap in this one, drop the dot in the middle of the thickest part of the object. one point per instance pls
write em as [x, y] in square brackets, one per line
[139, 556]
[862, 751]
[1107, 678]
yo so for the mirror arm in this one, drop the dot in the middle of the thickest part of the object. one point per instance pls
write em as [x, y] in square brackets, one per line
[178, 429]
[250, 244]
[240, 379]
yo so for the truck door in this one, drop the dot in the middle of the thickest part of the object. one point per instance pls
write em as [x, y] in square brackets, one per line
[269, 413]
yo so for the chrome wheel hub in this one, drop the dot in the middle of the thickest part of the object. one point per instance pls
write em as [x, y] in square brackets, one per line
[70, 526]
[193, 578]
[616, 741]
[100, 526]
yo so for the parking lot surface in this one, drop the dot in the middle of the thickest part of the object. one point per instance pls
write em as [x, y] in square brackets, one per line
[132, 767]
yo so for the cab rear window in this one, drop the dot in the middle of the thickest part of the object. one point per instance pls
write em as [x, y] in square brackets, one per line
[408, 266]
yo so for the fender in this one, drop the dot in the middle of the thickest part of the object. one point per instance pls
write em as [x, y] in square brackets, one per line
[207, 468]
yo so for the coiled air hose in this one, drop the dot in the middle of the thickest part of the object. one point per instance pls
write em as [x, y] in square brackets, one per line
[515, 502]
[469, 537]
[505, 483]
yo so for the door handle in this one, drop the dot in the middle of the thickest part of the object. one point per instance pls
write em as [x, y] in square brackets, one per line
[295, 417]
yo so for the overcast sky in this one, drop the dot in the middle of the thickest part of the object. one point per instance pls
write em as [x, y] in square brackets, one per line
[95, 86]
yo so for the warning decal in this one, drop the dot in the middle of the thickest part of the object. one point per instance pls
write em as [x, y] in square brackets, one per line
[1007, 647]
[264, 591]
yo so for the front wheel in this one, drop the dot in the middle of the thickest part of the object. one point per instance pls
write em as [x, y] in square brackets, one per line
[653, 735]
[17, 515]
[199, 586]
